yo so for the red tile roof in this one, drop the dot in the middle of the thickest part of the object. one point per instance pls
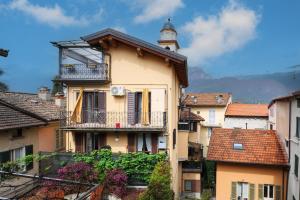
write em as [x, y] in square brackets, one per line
[186, 115]
[259, 147]
[247, 110]
[207, 99]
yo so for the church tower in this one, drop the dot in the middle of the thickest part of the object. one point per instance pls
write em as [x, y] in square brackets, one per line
[168, 37]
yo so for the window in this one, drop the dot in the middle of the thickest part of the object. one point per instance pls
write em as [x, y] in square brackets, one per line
[296, 165]
[209, 130]
[298, 127]
[17, 133]
[242, 191]
[59, 139]
[298, 103]
[271, 126]
[268, 192]
[188, 185]
[174, 138]
[193, 126]
[238, 146]
[17, 154]
[212, 116]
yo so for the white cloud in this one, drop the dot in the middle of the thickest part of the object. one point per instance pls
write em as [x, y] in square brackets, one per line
[230, 29]
[120, 28]
[155, 9]
[53, 16]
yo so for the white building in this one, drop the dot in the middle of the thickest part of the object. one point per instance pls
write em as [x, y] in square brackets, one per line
[246, 116]
[285, 118]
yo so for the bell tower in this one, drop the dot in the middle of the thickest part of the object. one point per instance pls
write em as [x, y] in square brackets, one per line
[168, 37]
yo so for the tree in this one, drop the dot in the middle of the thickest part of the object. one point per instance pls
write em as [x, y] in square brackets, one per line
[57, 87]
[3, 86]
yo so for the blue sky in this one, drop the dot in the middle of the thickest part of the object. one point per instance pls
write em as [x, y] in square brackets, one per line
[225, 38]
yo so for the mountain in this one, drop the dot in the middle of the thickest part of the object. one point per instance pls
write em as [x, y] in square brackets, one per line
[247, 89]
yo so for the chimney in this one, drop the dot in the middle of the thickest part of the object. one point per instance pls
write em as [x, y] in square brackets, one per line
[44, 93]
[60, 99]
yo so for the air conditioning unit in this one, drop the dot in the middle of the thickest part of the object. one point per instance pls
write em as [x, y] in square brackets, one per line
[117, 90]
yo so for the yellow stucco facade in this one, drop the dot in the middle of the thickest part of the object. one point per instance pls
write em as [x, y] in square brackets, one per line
[227, 174]
[135, 73]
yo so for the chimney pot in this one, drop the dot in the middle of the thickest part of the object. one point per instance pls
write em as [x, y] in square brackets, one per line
[60, 99]
[44, 93]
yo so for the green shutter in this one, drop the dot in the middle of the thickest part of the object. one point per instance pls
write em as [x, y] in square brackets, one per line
[277, 192]
[260, 192]
[29, 151]
[252, 192]
[233, 191]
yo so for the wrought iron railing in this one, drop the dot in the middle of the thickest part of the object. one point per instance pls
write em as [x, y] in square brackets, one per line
[113, 120]
[84, 72]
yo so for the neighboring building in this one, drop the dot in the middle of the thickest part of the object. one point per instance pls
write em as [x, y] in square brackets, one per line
[190, 154]
[250, 164]
[285, 118]
[246, 116]
[29, 123]
[122, 92]
[212, 107]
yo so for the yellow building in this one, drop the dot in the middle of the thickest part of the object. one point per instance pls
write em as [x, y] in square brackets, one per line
[29, 123]
[122, 92]
[210, 106]
[250, 164]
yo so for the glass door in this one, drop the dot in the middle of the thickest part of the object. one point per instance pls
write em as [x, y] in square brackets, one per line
[243, 191]
[268, 192]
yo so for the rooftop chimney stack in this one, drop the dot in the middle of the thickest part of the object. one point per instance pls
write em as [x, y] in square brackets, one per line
[60, 99]
[44, 93]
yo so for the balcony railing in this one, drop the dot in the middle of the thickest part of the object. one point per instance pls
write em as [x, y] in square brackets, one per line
[113, 120]
[84, 72]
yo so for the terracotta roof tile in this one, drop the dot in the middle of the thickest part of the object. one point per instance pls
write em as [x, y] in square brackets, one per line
[207, 99]
[186, 115]
[259, 147]
[247, 110]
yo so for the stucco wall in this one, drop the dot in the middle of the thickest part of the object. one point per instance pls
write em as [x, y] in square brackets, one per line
[228, 173]
[294, 185]
[240, 122]
[135, 73]
[47, 137]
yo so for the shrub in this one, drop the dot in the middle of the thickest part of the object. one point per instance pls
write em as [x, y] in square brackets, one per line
[159, 187]
[206, 195]
[78, 171]
[116, 182]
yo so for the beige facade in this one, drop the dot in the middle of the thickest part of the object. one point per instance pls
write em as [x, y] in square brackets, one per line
[41, 138]
[134, 70]
[229, 176]
[209, 124]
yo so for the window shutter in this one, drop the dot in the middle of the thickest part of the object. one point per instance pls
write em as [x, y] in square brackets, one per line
[260, 192]
[131, 101]
[131, 142]
[154, 140]
[102, 107]
[298, 127]
[4, 156]
[233, 191]
[277, 192]
[252, 192]
[174, 138]
[193, 186]
[84, 111]
[29, 151]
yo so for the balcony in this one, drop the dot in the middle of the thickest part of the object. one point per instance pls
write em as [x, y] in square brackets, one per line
[113, 121]
[80, 72]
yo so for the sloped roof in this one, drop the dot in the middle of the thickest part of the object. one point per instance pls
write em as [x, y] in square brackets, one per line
[180, 61]
[247, 110]
[259, 147]
[187, 115]
[12, 117]
[285, 98]
[32, 103]
[207, 99]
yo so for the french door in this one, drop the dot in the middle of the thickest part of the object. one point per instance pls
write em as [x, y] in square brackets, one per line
[268, 192]
[243, 191]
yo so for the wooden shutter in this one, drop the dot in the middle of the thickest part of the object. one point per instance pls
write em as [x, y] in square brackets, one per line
[102, 107]
[29, 151]
[4, 156]
[233, 191]
[131, 105]
[84, 112]
[174, 138]
[298, 127]
[277, 192]
[154, 141]
[193, 186]
[131, 142]
[252, 192]
[102, 140]
[79, 142]
[260, 192]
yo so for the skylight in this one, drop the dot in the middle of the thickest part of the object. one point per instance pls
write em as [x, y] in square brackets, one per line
[238, 146]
